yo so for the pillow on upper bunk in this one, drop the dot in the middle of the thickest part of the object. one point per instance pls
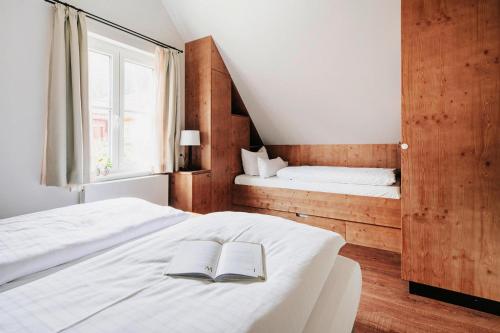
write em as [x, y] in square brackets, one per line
[268, 168]
[249, 160]
[343, 175]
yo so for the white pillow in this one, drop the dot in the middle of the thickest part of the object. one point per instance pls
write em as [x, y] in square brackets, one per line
[249, 160]
[268, 168]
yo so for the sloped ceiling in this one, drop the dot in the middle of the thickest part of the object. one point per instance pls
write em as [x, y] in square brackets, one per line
[309, 71]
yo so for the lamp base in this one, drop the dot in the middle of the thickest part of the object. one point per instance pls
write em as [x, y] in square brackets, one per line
[189, 165]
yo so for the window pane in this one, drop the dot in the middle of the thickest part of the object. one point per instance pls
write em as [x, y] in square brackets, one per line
[139, 88]
[101, 139]
[99, 79]
[137, 145]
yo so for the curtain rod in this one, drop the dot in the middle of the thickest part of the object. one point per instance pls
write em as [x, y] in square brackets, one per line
[116, 26]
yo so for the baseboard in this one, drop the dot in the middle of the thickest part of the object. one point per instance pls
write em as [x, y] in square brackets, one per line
[453, 297]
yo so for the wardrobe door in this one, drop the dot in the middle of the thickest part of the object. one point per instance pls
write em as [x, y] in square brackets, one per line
[221, 141]
[451, 168]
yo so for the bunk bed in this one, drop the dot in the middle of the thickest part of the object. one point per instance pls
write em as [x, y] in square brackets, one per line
[363, 214]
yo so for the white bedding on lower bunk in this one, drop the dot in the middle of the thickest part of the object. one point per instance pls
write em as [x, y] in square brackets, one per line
[389, 192]
[124, 289]
[34, 242]
[333, 174]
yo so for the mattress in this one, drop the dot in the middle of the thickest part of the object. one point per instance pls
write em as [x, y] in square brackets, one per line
[46, 272]
[336, 308]
[343, 175]
[380, 191]
[334, 311]
[35, 242]
[124, 289]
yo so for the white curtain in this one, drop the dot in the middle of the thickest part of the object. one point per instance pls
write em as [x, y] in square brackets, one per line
[168, 117]
[67, 146]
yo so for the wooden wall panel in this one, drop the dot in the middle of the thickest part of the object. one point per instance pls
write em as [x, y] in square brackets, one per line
[217, 62]
[240, 138]
[262, 197]
[379, 211]
[238, 108]
[323, 155]
[451, 120]
[373, 156]
[221, 141]
[366, 155]
[198, 90]
[290, 153]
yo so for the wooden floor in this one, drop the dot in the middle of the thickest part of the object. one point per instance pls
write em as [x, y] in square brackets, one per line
[386, 305]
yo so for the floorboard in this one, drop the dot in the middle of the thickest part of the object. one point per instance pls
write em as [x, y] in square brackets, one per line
[386, 305]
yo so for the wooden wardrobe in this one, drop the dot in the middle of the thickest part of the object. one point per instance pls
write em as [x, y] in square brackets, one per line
[451, 168]
[211, 103]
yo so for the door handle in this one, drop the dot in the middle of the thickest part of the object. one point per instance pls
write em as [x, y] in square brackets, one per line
[404, 146]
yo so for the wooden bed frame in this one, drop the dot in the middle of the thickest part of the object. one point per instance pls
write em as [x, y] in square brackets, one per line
[362, 220]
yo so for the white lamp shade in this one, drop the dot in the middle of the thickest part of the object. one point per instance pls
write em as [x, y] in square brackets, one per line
[190, 138]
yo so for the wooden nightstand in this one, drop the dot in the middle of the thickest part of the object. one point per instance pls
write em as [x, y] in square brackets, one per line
[191, 191]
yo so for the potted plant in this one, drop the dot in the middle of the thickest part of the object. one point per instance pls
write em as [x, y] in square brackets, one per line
[104, 166]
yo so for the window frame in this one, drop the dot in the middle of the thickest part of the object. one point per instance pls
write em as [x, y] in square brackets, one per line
[119, 54]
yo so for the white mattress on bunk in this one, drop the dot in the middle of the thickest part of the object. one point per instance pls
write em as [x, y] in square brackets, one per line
[379, 191]
[343, 175]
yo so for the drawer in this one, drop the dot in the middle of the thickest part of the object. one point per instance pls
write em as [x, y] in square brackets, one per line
[384, 238]
[337, 226]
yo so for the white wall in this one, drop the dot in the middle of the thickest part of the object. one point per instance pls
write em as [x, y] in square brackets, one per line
[309, 71]
[25, 29]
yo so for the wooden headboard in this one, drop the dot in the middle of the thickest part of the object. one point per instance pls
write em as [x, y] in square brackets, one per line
[359, 155]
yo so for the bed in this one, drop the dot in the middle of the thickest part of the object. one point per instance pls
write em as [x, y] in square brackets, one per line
[377, 191]
[121, 287]
[362, 204]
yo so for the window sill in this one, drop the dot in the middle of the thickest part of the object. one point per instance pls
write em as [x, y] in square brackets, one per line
[122, 176]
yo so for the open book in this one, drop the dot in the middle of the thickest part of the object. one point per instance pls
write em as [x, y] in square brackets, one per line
[218, 262]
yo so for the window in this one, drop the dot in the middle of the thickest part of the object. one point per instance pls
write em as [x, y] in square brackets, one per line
[122, 97]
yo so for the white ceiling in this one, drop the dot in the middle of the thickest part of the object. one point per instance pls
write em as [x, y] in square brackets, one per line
[309, 71]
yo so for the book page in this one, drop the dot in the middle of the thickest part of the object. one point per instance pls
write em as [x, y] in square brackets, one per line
[241, 258]
[195, 258]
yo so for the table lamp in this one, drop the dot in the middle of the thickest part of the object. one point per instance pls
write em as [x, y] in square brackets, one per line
[190, 138]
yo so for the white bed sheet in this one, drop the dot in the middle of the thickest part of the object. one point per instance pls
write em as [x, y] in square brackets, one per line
[389, 192]
[38, 275]
[34, 242]
[343, 175]
[336, 308]
[124, 290]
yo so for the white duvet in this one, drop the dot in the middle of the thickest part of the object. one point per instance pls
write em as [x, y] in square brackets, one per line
[124, 289]
[389, 192]
[343, 175]
[35, 242]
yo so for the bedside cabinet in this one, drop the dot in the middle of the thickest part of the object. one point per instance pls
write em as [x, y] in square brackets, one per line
[191, 191]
